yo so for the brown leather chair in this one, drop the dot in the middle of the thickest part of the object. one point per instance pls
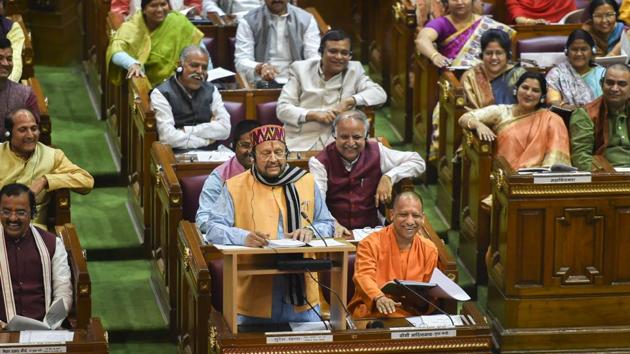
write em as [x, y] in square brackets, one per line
[545, 44]
[237, 113]
[211, 46]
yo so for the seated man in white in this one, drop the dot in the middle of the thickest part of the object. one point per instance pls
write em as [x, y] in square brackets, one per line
[271, 37]
[37, 262]
[356, 175]
[231, 9]
[318, 90]
[189, 110]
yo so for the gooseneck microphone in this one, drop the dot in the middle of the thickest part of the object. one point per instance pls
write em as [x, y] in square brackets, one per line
[308, 220]
[399, 283]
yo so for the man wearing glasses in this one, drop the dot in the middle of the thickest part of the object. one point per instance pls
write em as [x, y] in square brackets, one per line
[34, 263]
[602, 126]
[270, 201]
[319, 89]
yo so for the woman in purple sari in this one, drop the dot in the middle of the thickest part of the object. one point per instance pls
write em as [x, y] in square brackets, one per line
[456, 35]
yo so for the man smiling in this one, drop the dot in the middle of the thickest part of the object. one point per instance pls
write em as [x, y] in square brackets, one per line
[318, 90]
[356, 175]
[189, 110]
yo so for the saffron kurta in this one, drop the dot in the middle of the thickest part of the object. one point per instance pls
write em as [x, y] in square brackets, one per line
[48, 162]
[379, 260]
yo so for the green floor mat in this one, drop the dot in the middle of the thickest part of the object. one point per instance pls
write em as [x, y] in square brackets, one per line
[102, 220]
[142, 348]
[122, 296]
[75, 128]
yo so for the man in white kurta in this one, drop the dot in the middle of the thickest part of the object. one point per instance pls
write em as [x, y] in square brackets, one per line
[318, 90]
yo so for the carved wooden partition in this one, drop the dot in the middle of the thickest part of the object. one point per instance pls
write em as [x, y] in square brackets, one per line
[452, 102]
[475, 216]
[81, 285]
[204, 330]
[401, 55]
[425, 97]
[58, 208]
[95, 42]
[559, 274]
[165, 210]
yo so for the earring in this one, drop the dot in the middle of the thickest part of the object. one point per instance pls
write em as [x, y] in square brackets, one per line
[7, 134]
[514, 92]
[179, 69]
[542, 99]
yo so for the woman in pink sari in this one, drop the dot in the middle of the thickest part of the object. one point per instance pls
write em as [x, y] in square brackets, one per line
[527, 134]
[456, 34]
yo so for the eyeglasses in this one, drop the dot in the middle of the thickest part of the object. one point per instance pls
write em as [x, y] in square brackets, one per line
[267, 154]
[603, 16]
[490, 53]
[343, 53]
[244, 144]
[19, 213]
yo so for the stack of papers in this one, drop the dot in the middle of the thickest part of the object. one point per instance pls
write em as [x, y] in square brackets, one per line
[435, 321]
[360, 234]
[288, 242]
[212, 156]
[28, 337]
[309, 326]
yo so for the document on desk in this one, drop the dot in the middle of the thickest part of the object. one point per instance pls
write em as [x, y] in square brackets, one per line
[28, 337]
[435, 321]
[329, 243]
[309, 326]
[446, 288]
[55, 315]
[285, 242]
[219, 73]
[212, 156]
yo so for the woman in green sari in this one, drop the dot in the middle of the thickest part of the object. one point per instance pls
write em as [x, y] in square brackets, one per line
[149, 43]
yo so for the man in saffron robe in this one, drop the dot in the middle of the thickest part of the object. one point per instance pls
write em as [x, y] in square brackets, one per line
[356, 175]
[25, 160]
[34, 269]
[241, 161]
[265, 203]
[602, 126]
[397, 251]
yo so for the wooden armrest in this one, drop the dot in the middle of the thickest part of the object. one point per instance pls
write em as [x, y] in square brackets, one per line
[190, 253]
[141, 88]
[115, 20]
[601, 164]
[81, 283]
[215, 18]
[370, 112]
[242, 82]
[58, 208]
[321, 24]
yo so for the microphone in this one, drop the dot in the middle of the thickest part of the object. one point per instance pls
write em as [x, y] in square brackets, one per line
[308, 220]
[399, 283]
[349, 320]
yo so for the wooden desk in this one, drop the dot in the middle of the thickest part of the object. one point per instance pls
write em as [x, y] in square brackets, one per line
[205, 329]
[559, 274]
[165, 209]
[91, 340]
[533, 31]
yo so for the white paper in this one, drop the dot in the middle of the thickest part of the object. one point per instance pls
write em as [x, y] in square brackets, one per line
[229, 247]
[27, 337]
[330, 242]
[285, 242]
[543, 60]
[360, 234]
[437, 321]
[55, 315]
[562, 177]
[614, 59]
[625, 44]
[218, 73]
[622, 169]
[309, 326]
[212, 156]
[282, 80]
[446, 288]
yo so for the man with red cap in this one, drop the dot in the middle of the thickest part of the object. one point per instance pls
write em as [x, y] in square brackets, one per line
[267, 202]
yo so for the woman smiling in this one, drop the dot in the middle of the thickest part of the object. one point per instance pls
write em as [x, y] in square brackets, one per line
[575, 82]
[604, 26]
[527, 134]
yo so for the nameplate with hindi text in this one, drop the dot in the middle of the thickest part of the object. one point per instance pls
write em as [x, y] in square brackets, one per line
[405, 333]
[33, 350]
[302, 338]
[562, 178]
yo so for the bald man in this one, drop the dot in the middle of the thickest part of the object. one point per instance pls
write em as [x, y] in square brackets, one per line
[397, 251]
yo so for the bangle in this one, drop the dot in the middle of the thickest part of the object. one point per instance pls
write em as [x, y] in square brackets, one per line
[433, 55]
[468, 123]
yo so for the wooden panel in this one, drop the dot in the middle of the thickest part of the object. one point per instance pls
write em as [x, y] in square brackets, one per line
[620, 244]
[578, 246]
[530, 244]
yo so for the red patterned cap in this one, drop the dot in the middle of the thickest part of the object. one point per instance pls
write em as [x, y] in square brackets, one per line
[267, 133]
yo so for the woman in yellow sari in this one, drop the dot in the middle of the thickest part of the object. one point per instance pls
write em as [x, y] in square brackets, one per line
[150, 43]
[527, 134]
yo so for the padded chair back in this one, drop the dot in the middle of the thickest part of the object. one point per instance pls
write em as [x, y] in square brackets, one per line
[545, 44]
[230, 54]
[237, 114]
[575, 16]
[582, 4]
[191, 189]
[266, 113]
[488, 9]
[211, 46]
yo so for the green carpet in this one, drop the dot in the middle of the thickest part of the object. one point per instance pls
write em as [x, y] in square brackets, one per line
[74, 124]
[146, 348]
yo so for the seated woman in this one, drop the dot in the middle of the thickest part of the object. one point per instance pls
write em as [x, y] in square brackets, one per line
[492, 81]
[13, 32]
[128, 8]
[531, 12]
[150, 43]
[604, 26]
[576, 81]
[527, 134]
[456, 34]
